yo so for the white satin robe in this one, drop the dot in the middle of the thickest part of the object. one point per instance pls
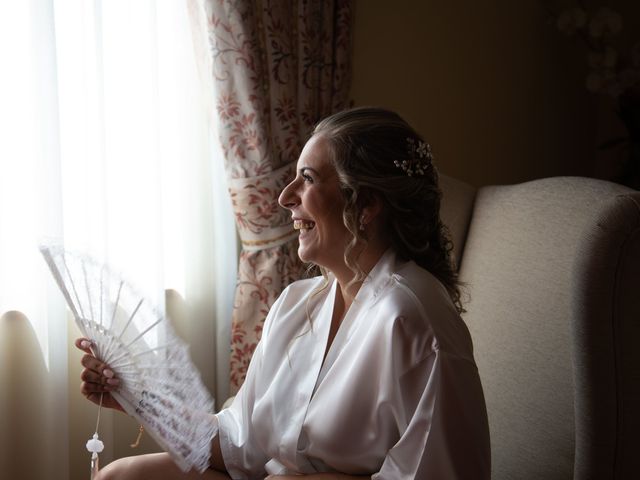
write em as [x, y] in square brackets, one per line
[398, 396]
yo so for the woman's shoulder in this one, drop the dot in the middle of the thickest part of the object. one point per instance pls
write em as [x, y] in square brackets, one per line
[411, 287]
[424, 309]
[426, 288]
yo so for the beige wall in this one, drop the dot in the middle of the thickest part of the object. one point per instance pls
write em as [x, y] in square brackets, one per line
[496, 90]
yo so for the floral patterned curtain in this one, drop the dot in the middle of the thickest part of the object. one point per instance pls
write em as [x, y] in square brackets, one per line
[279, 67]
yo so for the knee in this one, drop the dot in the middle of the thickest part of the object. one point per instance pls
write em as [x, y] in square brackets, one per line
[120, 469]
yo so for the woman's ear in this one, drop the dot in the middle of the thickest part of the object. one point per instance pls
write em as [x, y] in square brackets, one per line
[371, 209]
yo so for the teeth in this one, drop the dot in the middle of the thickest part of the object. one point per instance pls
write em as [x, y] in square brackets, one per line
[303, 225]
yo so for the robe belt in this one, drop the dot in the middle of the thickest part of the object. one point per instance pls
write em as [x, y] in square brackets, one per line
[262, 223]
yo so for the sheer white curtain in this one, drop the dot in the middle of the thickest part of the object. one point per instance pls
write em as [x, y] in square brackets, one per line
[106, 142]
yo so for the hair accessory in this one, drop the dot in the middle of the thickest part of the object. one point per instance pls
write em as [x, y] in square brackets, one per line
[420, 158]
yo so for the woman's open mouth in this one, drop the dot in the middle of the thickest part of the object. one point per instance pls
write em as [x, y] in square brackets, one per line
[303, 225]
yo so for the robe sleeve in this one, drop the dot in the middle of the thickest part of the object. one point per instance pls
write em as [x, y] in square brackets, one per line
[440, 401]
[243, 456]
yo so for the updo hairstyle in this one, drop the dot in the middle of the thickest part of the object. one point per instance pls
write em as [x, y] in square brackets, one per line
[365, 146]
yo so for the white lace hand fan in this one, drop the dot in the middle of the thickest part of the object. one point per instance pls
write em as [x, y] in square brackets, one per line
[159, 386]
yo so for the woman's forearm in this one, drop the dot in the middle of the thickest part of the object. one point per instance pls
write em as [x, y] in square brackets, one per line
[215, 461]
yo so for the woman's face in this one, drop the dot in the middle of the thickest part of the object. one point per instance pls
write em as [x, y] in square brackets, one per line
[316, 205]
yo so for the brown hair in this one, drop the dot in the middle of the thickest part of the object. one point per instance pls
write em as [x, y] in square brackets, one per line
[364, 143]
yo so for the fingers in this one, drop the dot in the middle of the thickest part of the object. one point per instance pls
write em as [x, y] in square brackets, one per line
[95, 383]
[91, 376]
[92, 363]
[89, 361]
[83, 344]
[97, 377]
[98, 380]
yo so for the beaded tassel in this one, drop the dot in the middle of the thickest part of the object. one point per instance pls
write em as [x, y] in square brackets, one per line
[95, 446]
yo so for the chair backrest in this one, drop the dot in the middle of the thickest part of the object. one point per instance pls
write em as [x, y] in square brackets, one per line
[23, 406]
[552, 268]
[455, 210]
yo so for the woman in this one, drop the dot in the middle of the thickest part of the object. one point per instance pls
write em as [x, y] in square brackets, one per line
[368, 370]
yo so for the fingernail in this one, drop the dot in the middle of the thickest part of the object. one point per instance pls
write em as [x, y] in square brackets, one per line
[85, 343]
[107, 373]
[113, 381]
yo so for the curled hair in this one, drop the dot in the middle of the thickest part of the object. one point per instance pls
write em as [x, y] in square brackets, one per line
[364, 143]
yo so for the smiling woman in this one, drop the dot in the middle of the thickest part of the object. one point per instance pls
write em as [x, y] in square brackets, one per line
[382, 383]
[366, 371]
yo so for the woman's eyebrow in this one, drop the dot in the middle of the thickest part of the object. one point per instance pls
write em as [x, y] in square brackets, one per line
[304, 169]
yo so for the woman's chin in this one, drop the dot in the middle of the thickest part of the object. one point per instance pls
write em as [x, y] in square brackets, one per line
[307, 252]
[303, 254]
[305, 248]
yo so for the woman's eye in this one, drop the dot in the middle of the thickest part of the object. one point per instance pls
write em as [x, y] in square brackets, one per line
[307, 177]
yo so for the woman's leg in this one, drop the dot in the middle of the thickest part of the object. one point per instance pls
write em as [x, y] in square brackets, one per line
[154, 466]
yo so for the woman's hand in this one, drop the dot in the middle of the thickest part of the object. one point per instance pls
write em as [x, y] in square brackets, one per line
[97, 378]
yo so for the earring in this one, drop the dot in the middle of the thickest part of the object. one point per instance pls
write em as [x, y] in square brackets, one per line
[362, 223]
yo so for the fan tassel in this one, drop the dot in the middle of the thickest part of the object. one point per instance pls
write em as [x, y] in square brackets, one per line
[138, 438]
[95, 466]
[95, 446]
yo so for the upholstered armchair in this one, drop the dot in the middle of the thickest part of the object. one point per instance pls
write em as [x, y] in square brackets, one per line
[552, 269]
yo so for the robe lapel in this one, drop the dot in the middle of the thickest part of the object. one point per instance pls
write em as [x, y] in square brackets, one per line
[365, 298]
[308, 347]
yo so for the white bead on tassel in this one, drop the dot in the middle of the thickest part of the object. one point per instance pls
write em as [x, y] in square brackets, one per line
[95, 446]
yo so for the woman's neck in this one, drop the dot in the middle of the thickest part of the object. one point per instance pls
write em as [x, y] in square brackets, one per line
[344, 275]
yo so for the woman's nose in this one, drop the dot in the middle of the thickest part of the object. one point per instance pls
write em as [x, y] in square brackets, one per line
[288, 198]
